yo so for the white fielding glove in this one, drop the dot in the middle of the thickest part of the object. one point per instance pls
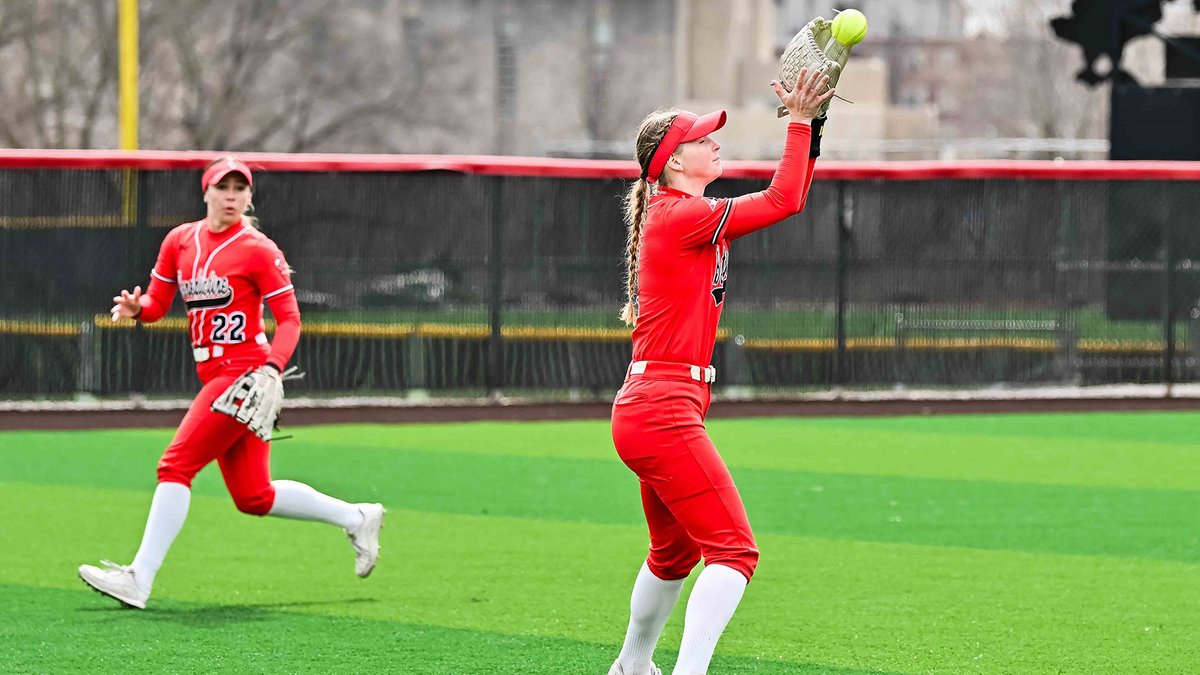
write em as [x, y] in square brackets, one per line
[814, 48]
[256, 398]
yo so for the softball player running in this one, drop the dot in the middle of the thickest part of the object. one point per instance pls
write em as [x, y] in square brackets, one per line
[678, 259]
[225, 269]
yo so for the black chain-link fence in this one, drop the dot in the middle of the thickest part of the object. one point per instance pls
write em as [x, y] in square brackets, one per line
[461, 282]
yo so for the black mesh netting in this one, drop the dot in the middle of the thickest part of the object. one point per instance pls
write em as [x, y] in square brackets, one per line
[441, 281]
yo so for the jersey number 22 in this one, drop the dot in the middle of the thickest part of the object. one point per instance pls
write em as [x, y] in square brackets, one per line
[229, 328]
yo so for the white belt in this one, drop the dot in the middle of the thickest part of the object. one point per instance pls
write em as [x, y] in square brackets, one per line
[202, 354]
[697, 373]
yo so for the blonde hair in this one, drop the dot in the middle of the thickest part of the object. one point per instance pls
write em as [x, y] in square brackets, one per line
[650, 134]
[252, 221]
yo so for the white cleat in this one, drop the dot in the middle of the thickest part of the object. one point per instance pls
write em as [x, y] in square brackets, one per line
[618, 670]
[117, 582]
[365, 538]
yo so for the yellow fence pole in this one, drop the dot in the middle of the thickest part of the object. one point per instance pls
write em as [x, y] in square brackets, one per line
[127, 38]
[127, 47]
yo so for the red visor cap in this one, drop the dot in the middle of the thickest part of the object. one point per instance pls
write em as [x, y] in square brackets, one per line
[686, 127]
[216, 172]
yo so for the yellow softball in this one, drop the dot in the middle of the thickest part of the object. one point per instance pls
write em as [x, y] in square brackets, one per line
[849, 27]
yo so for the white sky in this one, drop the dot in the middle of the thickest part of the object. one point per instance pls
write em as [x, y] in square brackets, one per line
[984, 15]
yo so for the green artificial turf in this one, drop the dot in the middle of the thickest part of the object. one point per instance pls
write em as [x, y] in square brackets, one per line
[957, 544]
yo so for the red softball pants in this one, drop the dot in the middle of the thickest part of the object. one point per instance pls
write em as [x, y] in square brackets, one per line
[204, 435]
[692, 506]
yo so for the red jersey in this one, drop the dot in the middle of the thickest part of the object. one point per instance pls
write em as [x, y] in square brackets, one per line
[224, 279]
[683, 259]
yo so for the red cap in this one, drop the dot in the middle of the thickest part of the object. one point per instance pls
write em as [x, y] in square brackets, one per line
[216, 172]
[686, 127]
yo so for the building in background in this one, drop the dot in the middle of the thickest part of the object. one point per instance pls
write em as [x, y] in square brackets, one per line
[1003, 89]
[712, 54]
[921, 86]
[552, 77]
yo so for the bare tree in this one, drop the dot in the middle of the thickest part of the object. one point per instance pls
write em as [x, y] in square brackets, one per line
[288, 75]
[59, 75]
[279, 75]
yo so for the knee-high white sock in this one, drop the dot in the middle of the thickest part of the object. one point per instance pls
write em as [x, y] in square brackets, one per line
[649, 607]
[168, 510]
[714, 598]
[300, 502]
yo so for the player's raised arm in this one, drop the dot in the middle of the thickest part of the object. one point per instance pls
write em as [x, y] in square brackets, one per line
[788, 191]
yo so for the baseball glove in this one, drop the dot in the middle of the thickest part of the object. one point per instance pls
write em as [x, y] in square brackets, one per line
[256, 398]
[813, 48]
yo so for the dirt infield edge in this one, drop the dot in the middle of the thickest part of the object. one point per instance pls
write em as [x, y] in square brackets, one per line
[130, 418]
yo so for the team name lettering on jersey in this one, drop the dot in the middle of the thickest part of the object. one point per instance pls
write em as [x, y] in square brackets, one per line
[206, 293]
[720, 274]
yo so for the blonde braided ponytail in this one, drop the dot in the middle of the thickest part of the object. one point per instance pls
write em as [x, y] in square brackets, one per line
[635, 215]
[650, 133]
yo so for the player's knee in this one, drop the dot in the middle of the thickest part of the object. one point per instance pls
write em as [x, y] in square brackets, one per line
[749, 563]
[744, 560]
[675, 566]
[169, 474]
[671, 572]
[255, 503]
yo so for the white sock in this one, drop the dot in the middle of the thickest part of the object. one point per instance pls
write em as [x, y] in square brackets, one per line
[649, 606]
[168, 510]
[300, 502]
[714, 598]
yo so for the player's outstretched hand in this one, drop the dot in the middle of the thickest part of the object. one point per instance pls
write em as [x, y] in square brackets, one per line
[804, 101]
[127, 305]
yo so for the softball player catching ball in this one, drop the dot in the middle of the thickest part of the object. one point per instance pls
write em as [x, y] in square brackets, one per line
[678, 259]
[225, 269]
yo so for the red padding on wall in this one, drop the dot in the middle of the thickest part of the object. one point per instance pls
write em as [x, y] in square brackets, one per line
[590, 168]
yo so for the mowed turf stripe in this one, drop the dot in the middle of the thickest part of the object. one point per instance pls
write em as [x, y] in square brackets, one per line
[976, 514]
[1017, 517]
[1155, 451]
[840, 604]
[63, 631]
[1158, 451]
[1134, 450]
[1135, 426]
[979, 514]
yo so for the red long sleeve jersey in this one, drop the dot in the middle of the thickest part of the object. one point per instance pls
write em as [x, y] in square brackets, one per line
[224, 279]
[683, 260]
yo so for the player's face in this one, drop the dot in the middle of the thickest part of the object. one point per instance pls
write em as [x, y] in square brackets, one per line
[701, 159]
[227, 199]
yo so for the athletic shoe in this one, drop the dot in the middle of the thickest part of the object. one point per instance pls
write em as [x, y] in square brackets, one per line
[365, 538]
[617, 670]
[116, 582]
